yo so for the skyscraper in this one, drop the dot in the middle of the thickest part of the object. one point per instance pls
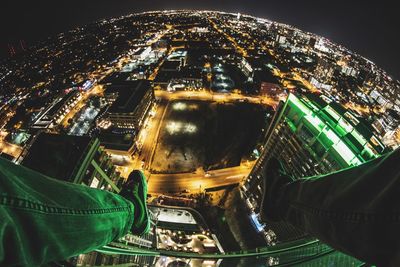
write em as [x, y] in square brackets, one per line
[76, 159]
[312, 136]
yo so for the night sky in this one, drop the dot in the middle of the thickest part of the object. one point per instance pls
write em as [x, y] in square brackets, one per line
[367, 27]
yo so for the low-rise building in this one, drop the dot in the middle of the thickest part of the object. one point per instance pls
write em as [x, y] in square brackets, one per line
[57, 110]
[130, 103]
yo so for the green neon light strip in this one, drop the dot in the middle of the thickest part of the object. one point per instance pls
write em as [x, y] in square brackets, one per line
[291, 125]
[313, 106]
[355, 162]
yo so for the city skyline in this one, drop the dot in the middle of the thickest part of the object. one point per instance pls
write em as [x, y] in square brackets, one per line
[185, 111]
[362, 27]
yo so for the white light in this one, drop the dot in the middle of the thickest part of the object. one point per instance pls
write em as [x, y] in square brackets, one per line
[174, 127]
[190, 128]
[179, 106]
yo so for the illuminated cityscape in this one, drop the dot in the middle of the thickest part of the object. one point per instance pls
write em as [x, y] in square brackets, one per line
[199, 101]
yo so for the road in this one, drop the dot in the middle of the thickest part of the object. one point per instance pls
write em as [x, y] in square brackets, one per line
[238, 48]
[151, 135]
[147, 140]
[205, 95]
[197, 182]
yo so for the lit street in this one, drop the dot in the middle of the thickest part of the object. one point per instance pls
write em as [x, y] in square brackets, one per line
[198, 181]
[206, 95]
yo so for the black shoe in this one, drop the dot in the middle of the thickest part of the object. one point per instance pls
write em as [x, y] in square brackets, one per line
[274, 178]
[135, 190]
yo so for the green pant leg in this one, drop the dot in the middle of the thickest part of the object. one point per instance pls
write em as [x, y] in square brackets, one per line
[356, 211]
[43, 219]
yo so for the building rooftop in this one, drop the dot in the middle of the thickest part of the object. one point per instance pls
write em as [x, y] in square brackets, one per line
[184, 73]
[170, 65]
[114, 141]
[265, 76]
[130, 94]
[63, 100]
[115, 77]
[56, 155]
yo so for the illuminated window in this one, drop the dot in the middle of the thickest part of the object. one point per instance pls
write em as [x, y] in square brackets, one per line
[345, 152]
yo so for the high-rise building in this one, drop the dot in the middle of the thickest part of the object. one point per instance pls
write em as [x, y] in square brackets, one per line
[81, 160]
[312, 136]
[76, 159]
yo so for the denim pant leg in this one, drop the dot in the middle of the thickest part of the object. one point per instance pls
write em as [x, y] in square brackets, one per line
[356, 211]
[43, 219]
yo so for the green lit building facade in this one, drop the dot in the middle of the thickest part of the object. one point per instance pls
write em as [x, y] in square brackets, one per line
[311, 136]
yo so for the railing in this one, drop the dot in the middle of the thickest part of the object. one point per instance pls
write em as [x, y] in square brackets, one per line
[289, 253]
